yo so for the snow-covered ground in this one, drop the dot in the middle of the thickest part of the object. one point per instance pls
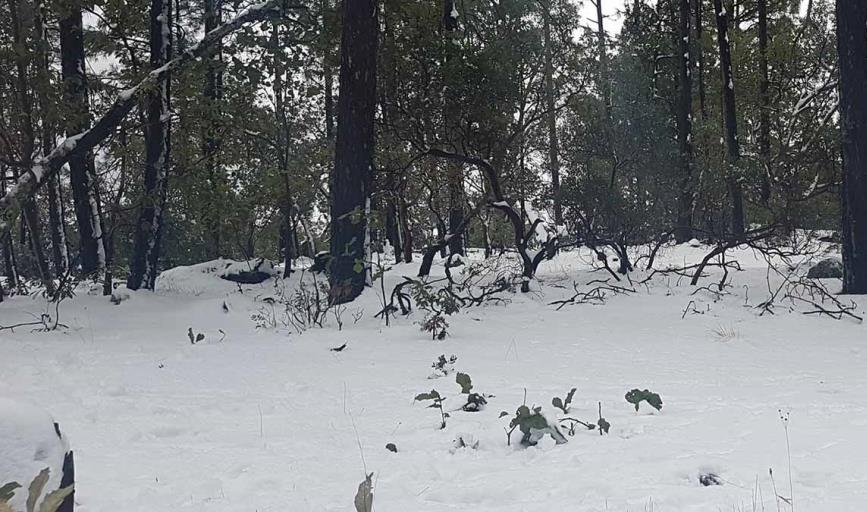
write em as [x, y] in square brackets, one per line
[268, 420]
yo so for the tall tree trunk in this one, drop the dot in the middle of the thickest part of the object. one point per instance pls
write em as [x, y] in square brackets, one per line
[288, 206]
[30, 213]
[146, 248]
[327, 11]
[551, 116]
[699, 53]
[353, 154]
[452, 115]
[85, 191]
[731, 121]
[213, 93]
[764, 105]
[59, 253]
[852, 50]
[683, 227]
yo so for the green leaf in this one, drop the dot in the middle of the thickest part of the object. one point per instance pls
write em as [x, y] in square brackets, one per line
[190, 335]
[503, 413]
[465, 382]
[54, 499]
[36, 487]
[556, 402]
[364, 497]
[637, 396]
[358, 266]
[569, 396]
[603, 425]
[8, 490]
[199, 337]
[433, 395]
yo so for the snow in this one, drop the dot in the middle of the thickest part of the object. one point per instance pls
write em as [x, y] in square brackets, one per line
[270, 420]
[203, 278]
[28, 445]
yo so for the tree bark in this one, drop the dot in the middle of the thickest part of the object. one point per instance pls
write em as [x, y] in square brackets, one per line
[85, 193]
[213, 93]
[28, 144]
[683, 113]
[452, 116]
[764, 135]
[59, 253]
[352, 174]
[852, 52]
[699, 53]
[148, 233]
[288, 206]
[731, 121]
[551, 117]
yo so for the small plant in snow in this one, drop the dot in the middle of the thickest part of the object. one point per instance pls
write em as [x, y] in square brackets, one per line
[475, 401]
[563, 404]
[50, 503]
[438, 303]
[636, 396]
[195, 337]
[364, 497]
[437, 403]
[442, 366]
[533, 426]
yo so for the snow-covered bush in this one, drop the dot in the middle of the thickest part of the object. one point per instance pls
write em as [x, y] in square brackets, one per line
[299, 307]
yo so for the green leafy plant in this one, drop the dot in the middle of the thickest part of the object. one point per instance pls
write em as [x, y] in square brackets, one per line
[636, 396]
[475, 401]
[437, 303]
[563, 404]
[443, 366]
[50, 503]
[533, 426]
[364, 497]
[437, 403]
[465, 382]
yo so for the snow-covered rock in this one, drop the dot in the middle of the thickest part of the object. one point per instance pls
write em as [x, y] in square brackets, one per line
[119, 295]
[30, 441]
[249, 272]
[695, 242]
[826, 269]
[208, 277]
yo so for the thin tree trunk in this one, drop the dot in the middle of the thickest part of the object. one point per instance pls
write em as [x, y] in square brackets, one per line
[213, 93]
[406, 227]
[731, 122]
[452, 114]
[352, 176]
[551, 117]
[145, 257]
[699, 53]
[283, 152]
[683, 227]
[30, 213]
[85, 193]
[764, 105]
[852, 51]
[60, 256]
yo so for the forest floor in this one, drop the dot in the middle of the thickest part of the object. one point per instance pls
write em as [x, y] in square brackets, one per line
[267, 420]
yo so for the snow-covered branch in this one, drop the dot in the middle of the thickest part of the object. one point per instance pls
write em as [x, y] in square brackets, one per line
[47, 165]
